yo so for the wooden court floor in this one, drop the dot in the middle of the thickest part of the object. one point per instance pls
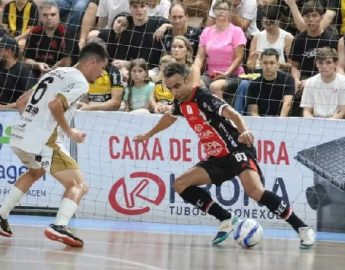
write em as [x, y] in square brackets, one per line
[125, 250]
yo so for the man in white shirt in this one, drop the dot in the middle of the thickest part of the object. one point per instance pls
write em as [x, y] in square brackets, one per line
[46, 110]
[324, 93]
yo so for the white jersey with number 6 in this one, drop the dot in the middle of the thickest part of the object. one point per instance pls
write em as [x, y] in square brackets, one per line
[37, 123]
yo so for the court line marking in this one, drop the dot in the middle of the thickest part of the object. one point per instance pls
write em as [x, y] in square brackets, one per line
[138, 264]
[223, 248]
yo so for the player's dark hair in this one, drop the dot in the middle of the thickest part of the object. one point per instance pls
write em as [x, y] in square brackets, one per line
[269, 52]
[176, 68]
[93, 49]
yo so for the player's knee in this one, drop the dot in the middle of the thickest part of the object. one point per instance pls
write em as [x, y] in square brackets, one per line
[255, 193]
[82, 188]
[179, 185]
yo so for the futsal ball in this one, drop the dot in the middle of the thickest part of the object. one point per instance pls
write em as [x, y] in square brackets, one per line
[248, 233]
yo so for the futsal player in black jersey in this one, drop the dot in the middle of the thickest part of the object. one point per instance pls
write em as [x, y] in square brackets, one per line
[230, 153]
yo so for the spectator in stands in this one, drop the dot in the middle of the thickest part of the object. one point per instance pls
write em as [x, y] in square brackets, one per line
[162, 95]
[272, 93]
[304, 48]
[111, 36]
[19, 17]
[271, 37]
[139, 92]
[72, 12]
[178, 26]
[15, 76]
[243, 14]
[324, 93]
[108, 9]
[105, 94]
[137, 40]
[223, 46]
[48, 45]
[329, 18]
[88, 22]
[159, 8]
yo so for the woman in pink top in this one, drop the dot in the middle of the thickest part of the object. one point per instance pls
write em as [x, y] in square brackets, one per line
[222, 47]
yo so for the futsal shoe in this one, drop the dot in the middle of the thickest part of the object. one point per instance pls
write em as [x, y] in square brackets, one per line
[306, 236]
[5, 229]
[62, 234]
[225, 228]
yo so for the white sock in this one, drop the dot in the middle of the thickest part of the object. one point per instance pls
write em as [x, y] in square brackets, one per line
[10, 201]
[66, 210]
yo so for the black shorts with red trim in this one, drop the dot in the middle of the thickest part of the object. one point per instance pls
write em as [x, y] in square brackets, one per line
[225, 168]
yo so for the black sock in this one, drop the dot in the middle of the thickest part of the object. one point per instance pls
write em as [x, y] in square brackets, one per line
[201, 199]
[281, 208]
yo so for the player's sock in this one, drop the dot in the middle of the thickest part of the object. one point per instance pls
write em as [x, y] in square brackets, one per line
[66, 210]
[281, 208]
[201, 199]
[10, 201]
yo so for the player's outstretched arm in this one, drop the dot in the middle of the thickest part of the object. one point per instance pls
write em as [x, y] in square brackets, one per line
[246, 136]
[57, 109]
[164, 122]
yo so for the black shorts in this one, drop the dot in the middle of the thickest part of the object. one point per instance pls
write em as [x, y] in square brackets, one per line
[226, 168]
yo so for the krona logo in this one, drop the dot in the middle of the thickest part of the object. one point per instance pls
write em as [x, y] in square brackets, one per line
[133, 200]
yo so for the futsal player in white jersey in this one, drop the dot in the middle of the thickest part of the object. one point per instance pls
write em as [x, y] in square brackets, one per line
[45, 114]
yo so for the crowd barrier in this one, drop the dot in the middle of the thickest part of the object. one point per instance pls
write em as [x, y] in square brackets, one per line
[130, 181]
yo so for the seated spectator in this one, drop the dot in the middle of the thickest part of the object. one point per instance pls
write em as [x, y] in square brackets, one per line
[48, 45]
[223, 46]
[19, 17]
[159, 8]
[178, 26]
[162, 95]
[272, 93]
[108, 9]
[304, 48]
[137, 40]
[329, 19]
[106, 93]
[324, 93]
[15, 76]
[243, 14]
[139, 92]
[71, 11]
[111, 36]
[271, 37]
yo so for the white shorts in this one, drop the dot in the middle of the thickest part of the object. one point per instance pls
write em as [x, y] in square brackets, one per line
[52, 159]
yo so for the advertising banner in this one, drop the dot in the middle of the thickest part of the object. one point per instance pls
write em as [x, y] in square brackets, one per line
[132, 181]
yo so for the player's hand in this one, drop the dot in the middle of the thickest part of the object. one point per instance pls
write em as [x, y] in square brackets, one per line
[141, 138]
[76, 135]
[43, 67]
[247, 138]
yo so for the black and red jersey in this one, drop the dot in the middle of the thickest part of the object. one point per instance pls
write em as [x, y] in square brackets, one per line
[217, 134]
